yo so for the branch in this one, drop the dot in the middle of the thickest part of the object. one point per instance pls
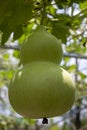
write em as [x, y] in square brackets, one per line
[10, 47]
[72, 55]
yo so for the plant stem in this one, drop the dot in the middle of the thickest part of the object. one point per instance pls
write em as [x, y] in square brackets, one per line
[43, 12]
[72, 10]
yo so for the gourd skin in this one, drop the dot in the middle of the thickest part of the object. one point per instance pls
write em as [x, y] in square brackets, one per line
[41, 89]
[41, 46]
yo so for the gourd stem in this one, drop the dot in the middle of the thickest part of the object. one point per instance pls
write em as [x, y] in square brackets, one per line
[43, 12]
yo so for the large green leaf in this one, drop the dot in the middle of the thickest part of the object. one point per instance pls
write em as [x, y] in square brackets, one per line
[13, 14]
[60, 30]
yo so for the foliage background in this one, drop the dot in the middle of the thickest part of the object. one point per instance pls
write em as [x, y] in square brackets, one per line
[67, 20]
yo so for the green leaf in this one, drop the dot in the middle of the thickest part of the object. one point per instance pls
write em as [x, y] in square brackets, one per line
[16, 54]
[6, 56]
[51, 10]
[13, 14]
[60, 30]
[5, 37]
[82, 75]
[70, 48]
[72, 68]
[83, 5]
[10, 74]
[18, 32]
[6, 32]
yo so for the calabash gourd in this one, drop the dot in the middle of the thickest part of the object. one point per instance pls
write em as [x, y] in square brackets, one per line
[41, 88]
